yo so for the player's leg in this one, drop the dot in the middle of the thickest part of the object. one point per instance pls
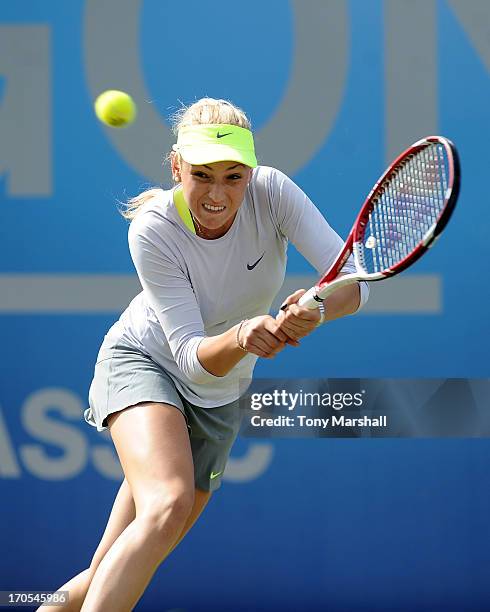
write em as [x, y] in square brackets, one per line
[200, 501]
[77, 588]
[153, 446]
[122, 514]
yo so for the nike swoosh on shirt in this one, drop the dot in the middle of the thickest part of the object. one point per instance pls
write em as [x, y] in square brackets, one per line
[218, 135]
[214, 475]
[251, 267]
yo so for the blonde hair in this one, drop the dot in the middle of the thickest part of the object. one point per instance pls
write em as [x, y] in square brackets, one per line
[204, 111]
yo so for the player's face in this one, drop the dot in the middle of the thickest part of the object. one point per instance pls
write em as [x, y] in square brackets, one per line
[214, 193]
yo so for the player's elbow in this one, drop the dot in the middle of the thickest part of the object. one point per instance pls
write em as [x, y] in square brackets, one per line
[188, 363]
[198, 375]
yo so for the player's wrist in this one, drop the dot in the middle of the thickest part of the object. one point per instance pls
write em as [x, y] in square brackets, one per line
[238, 339]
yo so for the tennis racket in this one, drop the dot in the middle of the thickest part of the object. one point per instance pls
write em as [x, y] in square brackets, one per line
[401, 218]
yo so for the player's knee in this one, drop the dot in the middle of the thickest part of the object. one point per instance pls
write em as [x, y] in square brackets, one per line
[169, 510]
[180, 504]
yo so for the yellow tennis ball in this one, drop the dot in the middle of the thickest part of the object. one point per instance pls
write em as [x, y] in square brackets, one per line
[115, 108]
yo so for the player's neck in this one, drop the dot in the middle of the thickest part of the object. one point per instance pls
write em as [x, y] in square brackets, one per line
[211, 234]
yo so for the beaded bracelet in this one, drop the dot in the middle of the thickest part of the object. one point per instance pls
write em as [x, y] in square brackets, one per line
[238, 336]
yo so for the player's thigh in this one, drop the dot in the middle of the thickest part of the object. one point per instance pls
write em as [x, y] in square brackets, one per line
[152, 442]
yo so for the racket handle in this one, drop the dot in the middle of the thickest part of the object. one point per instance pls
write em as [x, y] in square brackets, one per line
[308, 299]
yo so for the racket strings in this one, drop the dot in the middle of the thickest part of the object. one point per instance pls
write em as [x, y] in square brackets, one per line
[409, 202]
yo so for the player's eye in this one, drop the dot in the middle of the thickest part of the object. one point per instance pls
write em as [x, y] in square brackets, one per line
[235, 177]
[200, 174]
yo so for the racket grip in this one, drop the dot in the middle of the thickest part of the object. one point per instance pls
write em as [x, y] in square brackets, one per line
[308, 299]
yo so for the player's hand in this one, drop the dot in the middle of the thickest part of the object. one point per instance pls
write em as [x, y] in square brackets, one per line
[262, 337]
[297, 321]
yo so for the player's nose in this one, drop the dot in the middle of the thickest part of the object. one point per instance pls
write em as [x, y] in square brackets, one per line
[216, 193]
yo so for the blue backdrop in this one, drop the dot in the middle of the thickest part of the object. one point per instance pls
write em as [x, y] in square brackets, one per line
[366, 524]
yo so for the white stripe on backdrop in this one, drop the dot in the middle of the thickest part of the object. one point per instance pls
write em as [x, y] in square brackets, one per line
[91, 294]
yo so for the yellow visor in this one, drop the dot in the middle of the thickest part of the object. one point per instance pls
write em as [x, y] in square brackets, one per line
[206, 144]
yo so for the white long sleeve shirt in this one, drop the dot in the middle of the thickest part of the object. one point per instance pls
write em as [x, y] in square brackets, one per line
[193, 287]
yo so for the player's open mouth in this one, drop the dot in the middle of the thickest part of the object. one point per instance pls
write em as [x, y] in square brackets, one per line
[213, 209]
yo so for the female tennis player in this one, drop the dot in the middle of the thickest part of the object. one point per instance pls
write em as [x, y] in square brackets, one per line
[211, 256]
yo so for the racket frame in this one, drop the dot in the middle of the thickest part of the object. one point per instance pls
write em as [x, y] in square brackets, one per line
[330, 282]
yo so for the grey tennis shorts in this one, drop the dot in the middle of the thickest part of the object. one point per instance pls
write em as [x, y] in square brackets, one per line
[124, 377]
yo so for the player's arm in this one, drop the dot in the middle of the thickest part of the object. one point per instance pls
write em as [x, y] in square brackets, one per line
[260, 336]
[343, 302]
[301, 222]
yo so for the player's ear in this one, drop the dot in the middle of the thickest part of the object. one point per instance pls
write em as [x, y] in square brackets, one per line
[176, 166]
